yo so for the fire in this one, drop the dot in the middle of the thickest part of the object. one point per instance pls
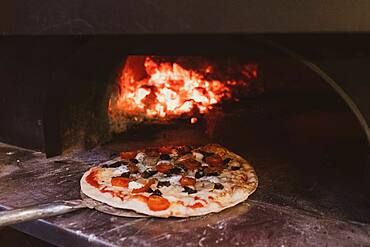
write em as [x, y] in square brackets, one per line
[168, 90]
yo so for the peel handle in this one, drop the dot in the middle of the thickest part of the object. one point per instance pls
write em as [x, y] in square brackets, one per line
[14, 216]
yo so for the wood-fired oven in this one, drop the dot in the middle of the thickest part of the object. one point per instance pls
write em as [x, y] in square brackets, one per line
[295, 105]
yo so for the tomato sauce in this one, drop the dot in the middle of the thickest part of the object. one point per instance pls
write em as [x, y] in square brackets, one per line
[196, 205]
[91, 179]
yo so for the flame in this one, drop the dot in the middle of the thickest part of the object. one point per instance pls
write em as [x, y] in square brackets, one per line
[168, 91]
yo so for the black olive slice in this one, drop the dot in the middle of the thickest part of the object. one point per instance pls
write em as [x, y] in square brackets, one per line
[199, 174]
[125, 175]
[163, 183]
[175, 170]
[135, 161]
[157, 192]
[189, 190]
[148, 173]
[226, 161]
[116, 164]
[149, 190]
[181, 166]
[165, 157]
[235, 168]
[214, 174]
[218, 186]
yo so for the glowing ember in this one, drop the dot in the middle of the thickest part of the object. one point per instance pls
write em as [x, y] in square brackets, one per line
[167, 91]
[193, 120]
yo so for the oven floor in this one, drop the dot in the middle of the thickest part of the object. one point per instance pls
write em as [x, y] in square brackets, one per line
[28, 178]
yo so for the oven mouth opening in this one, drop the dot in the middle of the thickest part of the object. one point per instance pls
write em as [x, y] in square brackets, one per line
[165, 89]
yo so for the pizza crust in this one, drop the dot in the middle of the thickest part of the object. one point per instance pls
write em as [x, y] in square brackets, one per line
[238, 189]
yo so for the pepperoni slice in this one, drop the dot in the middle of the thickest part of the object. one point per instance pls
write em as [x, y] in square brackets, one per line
[191, 164]
[214, 160]
[165, 150]
[145, 188]
[164, 167]
[186, 181]
[120, 182]
[158, 203]
[213, 170]
[128, 155]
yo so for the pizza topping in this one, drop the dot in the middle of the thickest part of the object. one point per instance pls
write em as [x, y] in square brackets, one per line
[214, 160]
[148, 173]
[175, 179]
[133, 168]
[186, 181]
[199, 174]
[183, 150]
[218, 186]
[213, 171]
[164, 167]
[226, 161]
[128, 155]
[165, 150]
[182, 167]
[196, 205]
[198, 156]
[125, 175]
[163, 183]
[213, 174]
[175, 170]
[158, 203]
[91, 179]
[141, 167]
[115, 164]
[140, 157]
[184, 158]
[191, 164]
[152, 152]
[189, 190]
[133, 160]
[212, 179]
[165, 157]
[134, 185]
[235, 168]
[145, 188]
[120, 182]
[157, 192]
[205, 154]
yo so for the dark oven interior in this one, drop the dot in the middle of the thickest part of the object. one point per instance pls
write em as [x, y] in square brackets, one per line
[304, 139]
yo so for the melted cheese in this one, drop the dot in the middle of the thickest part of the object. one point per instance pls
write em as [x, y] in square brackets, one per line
[134, 185]
[198, 156]
[175, 179]
[140, 157]
[141, 167]
[210, 179]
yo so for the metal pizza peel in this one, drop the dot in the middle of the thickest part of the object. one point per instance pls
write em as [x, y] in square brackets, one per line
[13, 216]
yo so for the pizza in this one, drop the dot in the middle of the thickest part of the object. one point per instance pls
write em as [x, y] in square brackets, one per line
[179, 181]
